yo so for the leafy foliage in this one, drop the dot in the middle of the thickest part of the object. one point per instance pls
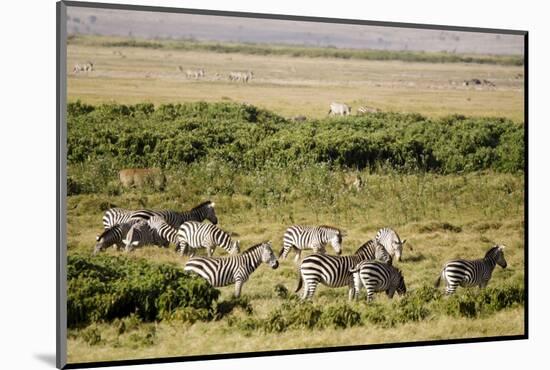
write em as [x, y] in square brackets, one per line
[102, 288]
[248, 138]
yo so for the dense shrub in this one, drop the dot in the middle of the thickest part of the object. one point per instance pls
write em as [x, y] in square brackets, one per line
[104, 288]
[249, 138]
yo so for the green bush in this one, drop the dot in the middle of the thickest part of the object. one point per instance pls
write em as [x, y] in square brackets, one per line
[102, 288]
[103, 139]
[340, 316]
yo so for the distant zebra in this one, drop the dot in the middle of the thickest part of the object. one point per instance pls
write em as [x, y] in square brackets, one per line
[241, 76]
[339, 109]
[87, 67]
[196, 235]
[334, 271]
[377, 276]
[233, 269]
[141, 234]
[203, 211]
[391, 241]
[468, 273]
[365, 110]
[113, 235]
[195, 73]
[311, 237]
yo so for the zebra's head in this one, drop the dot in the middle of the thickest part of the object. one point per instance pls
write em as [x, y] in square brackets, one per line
[133, 237]
[100, 245]
[401, 288]
[496, 253]
[235, 247]
[334, 237]
[268, 257]
[211, 213]
[389, 239]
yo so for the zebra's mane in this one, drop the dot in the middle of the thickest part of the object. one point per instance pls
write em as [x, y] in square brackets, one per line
[365, 246]
[331, 227]
[492, 251]
[102, 235]
[208, 202]
[253, 248]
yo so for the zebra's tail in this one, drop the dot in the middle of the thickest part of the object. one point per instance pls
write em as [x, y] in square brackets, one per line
[438, 281]
[282, 251]
[300, 281]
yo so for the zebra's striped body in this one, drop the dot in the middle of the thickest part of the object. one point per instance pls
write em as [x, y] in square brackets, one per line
[196, 235]
[233, 269]
[334, 271]
[391, 241]
[468, 273]
[311, 237]
[204, 211]
[377, 276]
[164, 230]
[141, 234]
[113, 235]
[364, 110]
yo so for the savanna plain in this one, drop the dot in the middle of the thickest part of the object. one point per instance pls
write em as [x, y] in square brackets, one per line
[440, 162]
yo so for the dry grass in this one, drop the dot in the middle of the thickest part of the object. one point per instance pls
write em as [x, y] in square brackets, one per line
[291, 86]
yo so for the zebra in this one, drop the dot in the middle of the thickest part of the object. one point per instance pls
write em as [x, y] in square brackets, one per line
[195, 73]
[391, 241]
[201, 212]
[468, 273]
[113, 235]
[364, 110]
[164, 230]
[223, 271]
[334, 271]
[377, 276]
[87, 67]
[311, 237]
[241, 76]
[339, 109]
[141, 234]
[194, 235]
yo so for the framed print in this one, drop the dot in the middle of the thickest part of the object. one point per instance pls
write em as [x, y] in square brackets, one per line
[237, 184]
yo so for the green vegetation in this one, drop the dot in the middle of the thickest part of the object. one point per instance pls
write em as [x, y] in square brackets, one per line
[105, 288]
[297, 51]
[241, 138]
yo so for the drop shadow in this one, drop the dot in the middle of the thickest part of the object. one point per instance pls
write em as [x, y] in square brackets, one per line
[47, 358]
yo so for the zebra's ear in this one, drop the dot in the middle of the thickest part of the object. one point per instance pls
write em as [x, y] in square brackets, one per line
[404, 241]
[212, 204]
[97, 238]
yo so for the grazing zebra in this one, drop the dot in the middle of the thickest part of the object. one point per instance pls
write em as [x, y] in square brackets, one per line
[87, 67]
[365, 110]
[141, 234]
[233, 269]
[391, 241]
[164, 230]
[203, 211]
[467, 273]
[339, 109]
[195, 73]
[377, 276]
[113, 235]
[311, 237]
[241, 76]
[194, 235]
[334, 271]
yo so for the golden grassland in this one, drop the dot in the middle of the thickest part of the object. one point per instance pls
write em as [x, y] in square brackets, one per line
[294, 85]
[457, 216]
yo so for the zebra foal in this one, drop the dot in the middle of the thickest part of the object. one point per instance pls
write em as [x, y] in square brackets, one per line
[377, 276]
[196, 235]
[311, 237]
[468, 273]
[334, 271]
[236, 270]
[113, 235]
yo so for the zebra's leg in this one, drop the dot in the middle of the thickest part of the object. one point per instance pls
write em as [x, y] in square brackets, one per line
[183, 248]
[285, 251]
[356, 281]
[120, 246]
[450, 288]
[351, 291]
[297, 256]
[309, 288]
[238, 287]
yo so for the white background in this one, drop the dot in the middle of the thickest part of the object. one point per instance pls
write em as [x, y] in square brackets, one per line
[27, 119]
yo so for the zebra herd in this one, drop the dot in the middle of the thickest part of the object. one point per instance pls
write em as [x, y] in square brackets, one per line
[371, 266]
[85, 67]
[234, 76]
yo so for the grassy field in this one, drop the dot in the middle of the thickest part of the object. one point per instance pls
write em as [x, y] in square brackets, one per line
[468, 200]
[294, 85]
[442, 217]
